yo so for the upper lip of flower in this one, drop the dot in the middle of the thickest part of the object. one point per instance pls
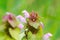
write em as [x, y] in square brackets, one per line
[8, 17]
[33, 16]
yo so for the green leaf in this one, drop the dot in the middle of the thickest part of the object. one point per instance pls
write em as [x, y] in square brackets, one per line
[16, 34]
[34, 36]
[34, 24]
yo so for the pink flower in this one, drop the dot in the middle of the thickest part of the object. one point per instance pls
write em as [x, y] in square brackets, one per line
[21, 18]
[47, 36]
[21, 26]
[8, 17]
[26, 14]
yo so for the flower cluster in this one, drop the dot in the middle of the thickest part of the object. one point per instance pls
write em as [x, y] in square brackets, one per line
[20, 27]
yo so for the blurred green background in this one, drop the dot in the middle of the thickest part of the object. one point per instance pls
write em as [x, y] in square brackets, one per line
[49, 10]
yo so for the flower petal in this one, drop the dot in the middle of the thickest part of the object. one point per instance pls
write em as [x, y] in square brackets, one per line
[21, 26]
[21, 18]
[26, 14]
[47, 36]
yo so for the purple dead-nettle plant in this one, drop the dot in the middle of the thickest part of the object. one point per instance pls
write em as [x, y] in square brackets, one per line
[47, 36]
[29, 23]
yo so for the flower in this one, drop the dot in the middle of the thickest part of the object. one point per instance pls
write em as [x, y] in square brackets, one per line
[8, 16]
[21, 26]
[33, 17]
[26, 14]
[21, 18]
[47, 36]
